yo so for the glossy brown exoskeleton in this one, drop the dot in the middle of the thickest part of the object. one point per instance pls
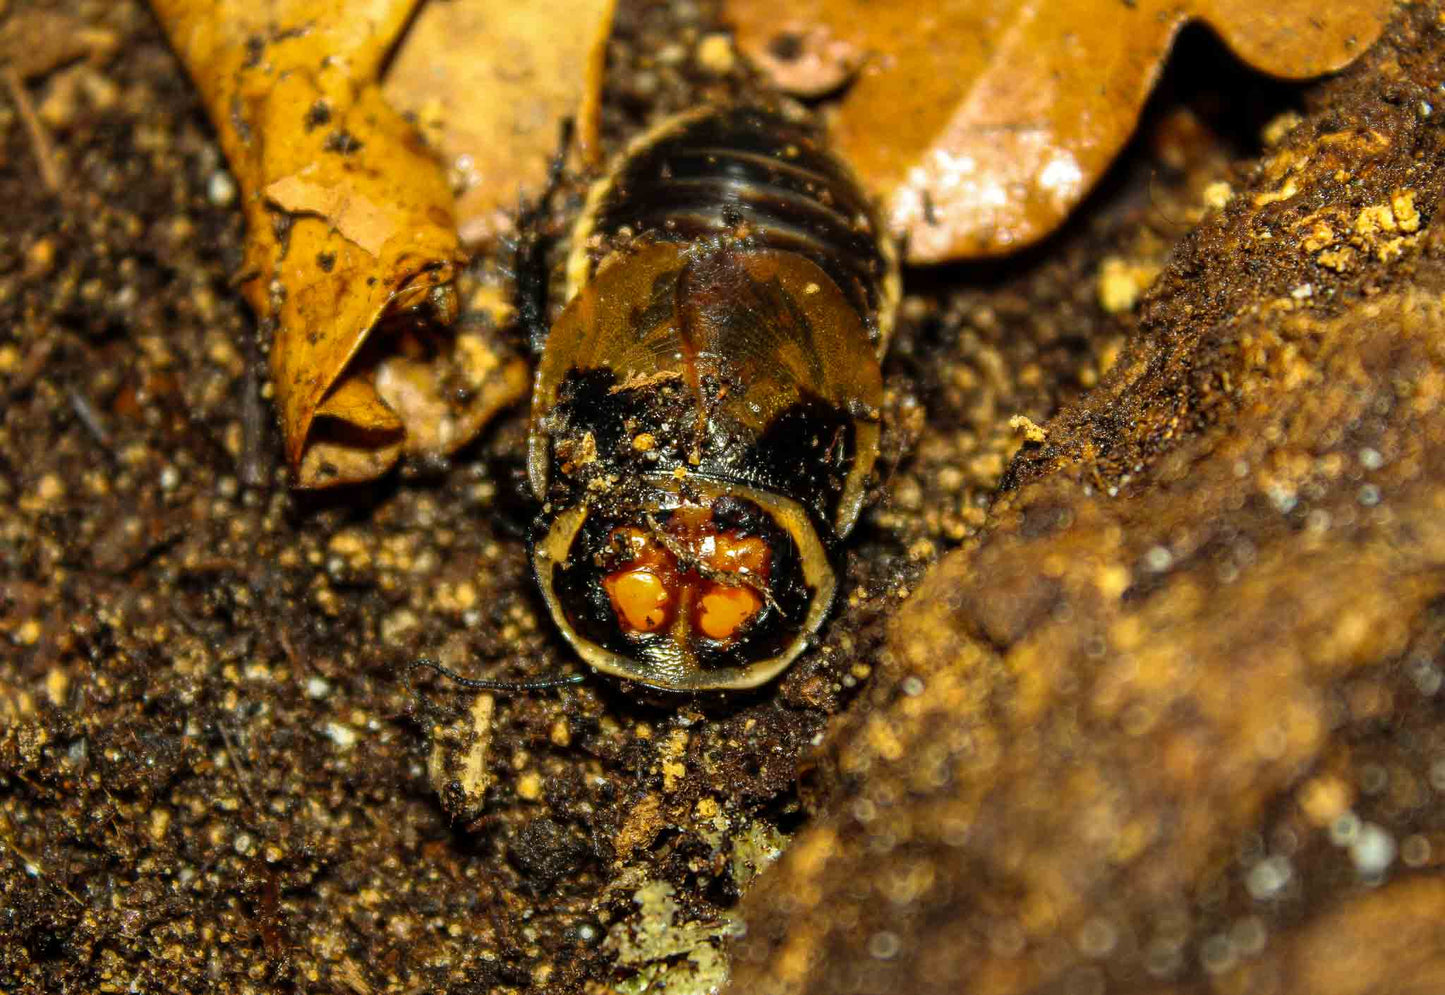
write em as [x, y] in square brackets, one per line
[706, 412]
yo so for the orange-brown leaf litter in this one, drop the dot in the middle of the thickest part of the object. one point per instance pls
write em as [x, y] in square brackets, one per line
[351, 219]
[984, 124]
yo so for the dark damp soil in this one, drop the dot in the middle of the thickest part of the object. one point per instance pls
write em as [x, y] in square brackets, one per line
[214, 772]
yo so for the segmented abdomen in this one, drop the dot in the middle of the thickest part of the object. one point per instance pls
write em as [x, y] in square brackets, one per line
[726, 170]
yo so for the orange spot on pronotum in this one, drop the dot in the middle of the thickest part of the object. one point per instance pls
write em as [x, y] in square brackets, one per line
[639, 597]
[650, 587]
[723, 611]
[746, 555]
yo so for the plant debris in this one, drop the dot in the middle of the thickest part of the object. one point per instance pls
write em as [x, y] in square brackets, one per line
[490, 84]
[984, 125]
[350, 219]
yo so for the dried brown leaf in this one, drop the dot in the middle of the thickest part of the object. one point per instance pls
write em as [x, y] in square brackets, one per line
[352, 214]
[424, 392]
[491, 80]
[355, 400]
[341, 453]
[349, 215]
[983, 124]
[357, 436]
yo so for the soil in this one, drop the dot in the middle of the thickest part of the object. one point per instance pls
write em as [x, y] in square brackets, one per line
[1092, 715]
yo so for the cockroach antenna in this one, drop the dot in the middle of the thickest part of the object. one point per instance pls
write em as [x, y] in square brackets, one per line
[481, 684]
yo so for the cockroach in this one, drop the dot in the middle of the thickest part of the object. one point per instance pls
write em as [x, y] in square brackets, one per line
[706, 412]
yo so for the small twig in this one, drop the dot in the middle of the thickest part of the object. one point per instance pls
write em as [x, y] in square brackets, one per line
[39, 138]
[90, 418]
[255, 468]
[1098, 480]
[296, 660]
[268, 914]
[8, 834]
[32, 365]
[242, 778]
[350, 973]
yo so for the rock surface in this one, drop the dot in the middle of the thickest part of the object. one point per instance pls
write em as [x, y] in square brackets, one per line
[1171, 722]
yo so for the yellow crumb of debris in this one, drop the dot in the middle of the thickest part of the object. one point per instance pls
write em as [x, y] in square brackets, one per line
[715, 54]
[1285, 192]
[1278, 127]
[1217, 194]
[1324, 799]
[1028, 428]
[529, 786]
[1121, 283]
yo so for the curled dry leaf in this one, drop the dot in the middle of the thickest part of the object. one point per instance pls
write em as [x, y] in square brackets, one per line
[984, 124]
[349, 219]
[490, 80]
